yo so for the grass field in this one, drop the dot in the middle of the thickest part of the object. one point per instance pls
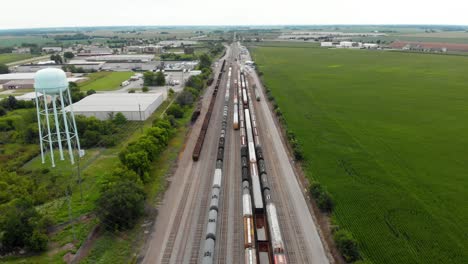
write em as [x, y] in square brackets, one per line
[386, 134]
[105, 81]
[10, 41]
[10, 57]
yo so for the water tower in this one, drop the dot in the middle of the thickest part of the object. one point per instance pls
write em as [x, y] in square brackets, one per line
[57, 126]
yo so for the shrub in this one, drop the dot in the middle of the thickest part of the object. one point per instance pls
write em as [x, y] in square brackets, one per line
[119, 119]
[347, 245]
[145, 89]
[20, 226]
[131, 91]
[37, 241]
[90, 92]
[171, 92]
[175, 110]
[185, 98]
[120, 206]
[321, 196]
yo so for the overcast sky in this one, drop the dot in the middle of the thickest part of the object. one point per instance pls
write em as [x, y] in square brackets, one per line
[61, 13]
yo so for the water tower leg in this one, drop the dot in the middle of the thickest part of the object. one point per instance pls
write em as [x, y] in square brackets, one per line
[57, 127]
[38, 108]
[48, 130]
[74, 123]
[67, 132]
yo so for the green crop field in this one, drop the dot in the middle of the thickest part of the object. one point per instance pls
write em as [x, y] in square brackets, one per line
[386, 133]
[105, 81]
[10, 57]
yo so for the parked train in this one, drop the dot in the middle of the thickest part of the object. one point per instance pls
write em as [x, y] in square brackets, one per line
[206, 121]
[267, 230]
[211, 227]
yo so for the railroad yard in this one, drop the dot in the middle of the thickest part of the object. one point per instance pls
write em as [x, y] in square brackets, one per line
[234, 197]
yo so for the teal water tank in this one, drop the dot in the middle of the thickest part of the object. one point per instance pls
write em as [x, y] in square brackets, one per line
[50, 81]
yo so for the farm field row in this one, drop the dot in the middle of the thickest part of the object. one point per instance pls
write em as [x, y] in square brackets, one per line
[385, 133]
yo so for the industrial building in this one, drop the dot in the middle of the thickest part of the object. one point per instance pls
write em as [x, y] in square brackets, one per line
[151, 49]
[24, 80]
[122, 58]
[94, 51]
[51, 49]
[31, 97]
[177, 43]
[136, 107]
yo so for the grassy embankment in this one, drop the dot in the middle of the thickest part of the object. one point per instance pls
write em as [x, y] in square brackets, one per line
[385, 132]
[105, 81]
[11, 57]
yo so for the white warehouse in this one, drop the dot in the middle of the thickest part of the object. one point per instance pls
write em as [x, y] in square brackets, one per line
[136, 106]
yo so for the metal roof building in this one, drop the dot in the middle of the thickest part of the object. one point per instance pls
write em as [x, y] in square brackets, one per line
[137, 106]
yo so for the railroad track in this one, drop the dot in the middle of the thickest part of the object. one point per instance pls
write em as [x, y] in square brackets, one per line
[292, 235]
[175, 227]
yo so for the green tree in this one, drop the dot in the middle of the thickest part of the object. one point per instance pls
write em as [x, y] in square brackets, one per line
[205, 61]
[160, 79]
[195, 82]
[170, 93]
[119, 119]
[120, 206]
[175, 110]
[57, 58]
[20, 227]
[148, 78]
[145, 89]
[137, 161]
[347, 245]
[68, 55]
[183, 99]
[90, 92]
[4, 69]
[11, 103]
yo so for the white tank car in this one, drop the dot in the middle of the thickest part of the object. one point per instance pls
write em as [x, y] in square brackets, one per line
[214, 199]
[217, 178]
[211, 226]
[250, 256]
[275, 232]
[208, 251]
[246, 203]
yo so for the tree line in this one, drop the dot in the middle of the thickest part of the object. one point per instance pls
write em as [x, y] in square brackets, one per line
[122, 196]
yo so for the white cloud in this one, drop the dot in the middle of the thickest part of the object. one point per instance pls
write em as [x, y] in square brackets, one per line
[59, 13]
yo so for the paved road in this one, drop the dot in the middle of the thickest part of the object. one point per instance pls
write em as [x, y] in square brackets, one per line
[179, 229]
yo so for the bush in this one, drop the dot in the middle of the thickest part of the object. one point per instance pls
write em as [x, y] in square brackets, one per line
[38, 241]
[20, 226]
[90, 92]
[185, 98]
[171, 92]
[119, 119]
[120, 206]
[321, 196]
[145, 89]
[131, 91]
[176, 111]
[347, 245]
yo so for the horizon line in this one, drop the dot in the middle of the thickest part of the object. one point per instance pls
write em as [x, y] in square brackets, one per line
[221, 25]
